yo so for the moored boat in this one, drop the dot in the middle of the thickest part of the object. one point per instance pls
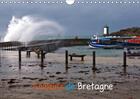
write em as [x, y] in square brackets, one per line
[103, 42]
[114, 42]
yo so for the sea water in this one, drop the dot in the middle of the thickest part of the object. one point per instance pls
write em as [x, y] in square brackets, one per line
[88, 51]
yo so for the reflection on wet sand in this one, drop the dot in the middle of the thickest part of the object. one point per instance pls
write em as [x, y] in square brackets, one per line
[109, 70]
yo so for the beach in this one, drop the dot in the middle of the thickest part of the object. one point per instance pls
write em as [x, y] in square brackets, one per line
[18, 83]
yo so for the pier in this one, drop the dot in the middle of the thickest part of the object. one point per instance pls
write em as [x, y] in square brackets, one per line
[46, 45]
[41, 48]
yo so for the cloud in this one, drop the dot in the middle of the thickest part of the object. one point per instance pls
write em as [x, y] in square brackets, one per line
[80, 19]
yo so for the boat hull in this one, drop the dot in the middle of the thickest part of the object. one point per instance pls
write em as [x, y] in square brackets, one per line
[97, 45]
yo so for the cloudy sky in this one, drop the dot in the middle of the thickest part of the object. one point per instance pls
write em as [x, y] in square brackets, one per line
[76, 19]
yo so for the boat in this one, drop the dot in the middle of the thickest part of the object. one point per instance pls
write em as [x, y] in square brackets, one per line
[117, 42]
[133, 42]
[104, 42]
[135, 54]
[132, 52]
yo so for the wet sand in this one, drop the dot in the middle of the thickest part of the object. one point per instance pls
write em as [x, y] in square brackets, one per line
[17, 84]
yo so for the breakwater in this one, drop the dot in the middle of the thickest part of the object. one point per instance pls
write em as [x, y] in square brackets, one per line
[47, 45]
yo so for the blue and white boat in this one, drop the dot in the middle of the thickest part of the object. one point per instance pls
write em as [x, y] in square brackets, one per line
[104, 42]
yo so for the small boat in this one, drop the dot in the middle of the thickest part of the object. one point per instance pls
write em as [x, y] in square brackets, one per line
[134, 53]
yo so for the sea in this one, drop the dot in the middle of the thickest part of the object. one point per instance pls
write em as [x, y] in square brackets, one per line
[86, 50]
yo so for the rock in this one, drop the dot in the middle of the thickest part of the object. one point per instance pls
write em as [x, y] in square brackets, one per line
[42, 79]
[11, 81]
[29, 78]
[48, 72]
[83, 71]
[62, 81]
[10, 66]
[27, 85]
[60, 78]
[52, 76]
[98, 71]
[58, 72]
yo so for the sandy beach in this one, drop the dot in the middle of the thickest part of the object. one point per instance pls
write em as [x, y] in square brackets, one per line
[17, 84]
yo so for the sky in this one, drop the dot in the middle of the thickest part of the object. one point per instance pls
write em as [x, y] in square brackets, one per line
[77, 19]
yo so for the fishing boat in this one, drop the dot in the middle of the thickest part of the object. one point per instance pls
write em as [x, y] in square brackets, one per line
[104, 42]
[108, 41]
[114, 42]
[133, 41]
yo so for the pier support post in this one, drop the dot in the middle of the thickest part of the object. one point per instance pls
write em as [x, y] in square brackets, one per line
[28, 54]
[66, 59]
[38, 55]
[44, 55]
[0, 57]
[19, 57]
[42, 58]
[94, 60]
[124, 61]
